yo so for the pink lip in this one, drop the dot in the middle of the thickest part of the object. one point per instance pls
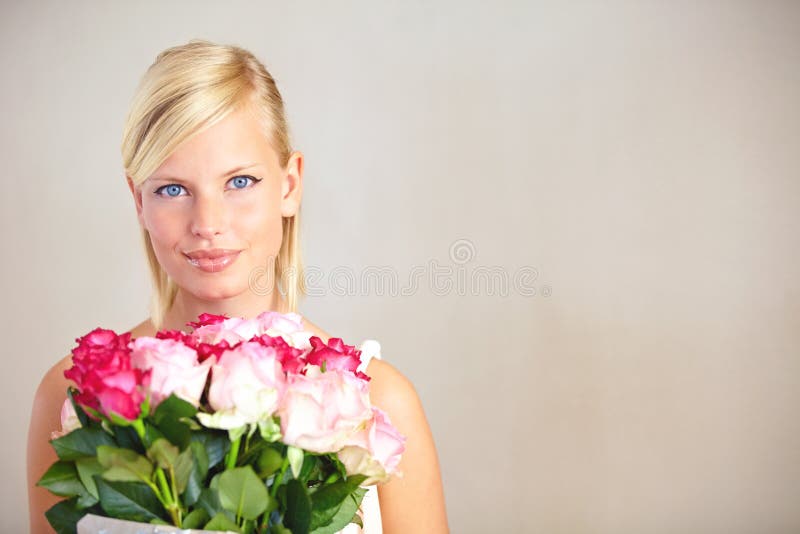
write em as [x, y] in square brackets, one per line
[212, 261]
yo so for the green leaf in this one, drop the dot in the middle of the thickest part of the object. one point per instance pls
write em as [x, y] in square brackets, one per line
[62, 480]
[87, 468]
[163, 453]
[345, 515]
[252, 450]
[269, 461]
[183, 466]
[129, 500]
[221, 522]
[310, 462]
[127, 438]
[151, 435]
[298, 507]
[242, 492]
[64, 516]
[209, 501]
[197, 518]
[198, 473]
[216, 444]
[327, 500]
[295, 456]
[167, 418]
[123, 465]
[80, 443]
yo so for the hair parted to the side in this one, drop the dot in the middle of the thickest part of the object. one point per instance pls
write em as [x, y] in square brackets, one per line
[186, 90]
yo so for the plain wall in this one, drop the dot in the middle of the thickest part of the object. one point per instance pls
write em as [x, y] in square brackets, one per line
[638, 160]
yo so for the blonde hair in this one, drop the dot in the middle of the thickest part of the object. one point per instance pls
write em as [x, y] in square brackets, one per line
[186, 90]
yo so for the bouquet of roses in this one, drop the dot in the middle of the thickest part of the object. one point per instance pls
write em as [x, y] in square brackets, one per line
[243, 425]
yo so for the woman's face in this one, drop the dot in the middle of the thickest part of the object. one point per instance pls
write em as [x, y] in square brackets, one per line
[224, 189]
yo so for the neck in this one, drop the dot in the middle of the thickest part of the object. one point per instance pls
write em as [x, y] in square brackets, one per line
[187, 307]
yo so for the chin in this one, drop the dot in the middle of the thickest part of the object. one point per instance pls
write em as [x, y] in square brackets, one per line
[214, 290]
[212, 287]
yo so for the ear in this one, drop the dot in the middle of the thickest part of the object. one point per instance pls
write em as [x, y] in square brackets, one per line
[137, 199]
[292, 185]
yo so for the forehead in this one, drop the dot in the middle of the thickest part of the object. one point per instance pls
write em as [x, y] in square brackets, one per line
[236, 140]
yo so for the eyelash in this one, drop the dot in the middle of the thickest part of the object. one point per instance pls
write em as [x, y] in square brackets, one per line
[157, 192]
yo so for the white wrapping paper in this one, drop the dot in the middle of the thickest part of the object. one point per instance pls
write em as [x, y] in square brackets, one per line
[94, 524]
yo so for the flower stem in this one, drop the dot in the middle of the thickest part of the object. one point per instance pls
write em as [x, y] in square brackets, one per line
[169, 504]
[138, 425]
[176, 494]
[233, 454]
[273, 490]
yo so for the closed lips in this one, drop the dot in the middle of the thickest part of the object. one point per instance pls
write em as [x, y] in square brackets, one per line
[210, 254]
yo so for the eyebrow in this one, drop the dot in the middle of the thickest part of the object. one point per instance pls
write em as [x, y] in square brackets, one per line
[228, 173]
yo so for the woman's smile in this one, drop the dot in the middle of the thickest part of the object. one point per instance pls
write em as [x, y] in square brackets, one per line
[212, 260]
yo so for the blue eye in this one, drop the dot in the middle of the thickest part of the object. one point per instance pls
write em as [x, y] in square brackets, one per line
[242, 181]
[170, 189]
[174, 190]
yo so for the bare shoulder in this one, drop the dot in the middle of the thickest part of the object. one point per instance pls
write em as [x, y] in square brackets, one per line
[420, 488]
[45, 418]
[51, 393]
[145, 328]
[390, 389]
[316, 330]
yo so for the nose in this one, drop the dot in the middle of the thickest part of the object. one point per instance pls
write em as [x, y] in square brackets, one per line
[209, 217]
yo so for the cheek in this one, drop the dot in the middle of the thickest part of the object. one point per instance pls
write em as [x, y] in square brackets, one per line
[164, 225]
[261, 223]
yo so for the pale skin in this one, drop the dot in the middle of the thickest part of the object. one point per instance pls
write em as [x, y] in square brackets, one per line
[202, 205]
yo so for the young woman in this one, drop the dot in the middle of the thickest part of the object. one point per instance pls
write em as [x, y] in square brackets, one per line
[217, 190]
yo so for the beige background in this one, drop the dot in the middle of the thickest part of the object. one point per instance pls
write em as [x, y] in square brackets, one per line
[642, 157]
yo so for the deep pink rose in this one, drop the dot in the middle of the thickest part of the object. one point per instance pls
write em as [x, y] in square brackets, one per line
[207, 319]
[206, 351]
[177, 335]
[321, 412]
[174, 369]
[291, 358]
[102, 371]
[336, 355]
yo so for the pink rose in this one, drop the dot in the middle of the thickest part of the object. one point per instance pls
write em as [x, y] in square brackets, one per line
[69, 420]
[246, 384]
[174, 369]
[375, 451]
[234, 330]
[282, 322]
[102, 371]
[321, 412]
[204, 350]
[336, 355]
[288, 326]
